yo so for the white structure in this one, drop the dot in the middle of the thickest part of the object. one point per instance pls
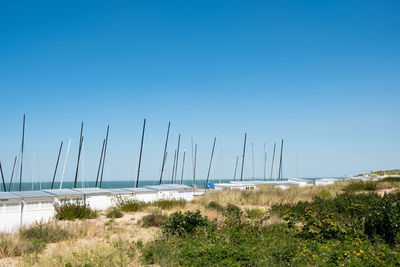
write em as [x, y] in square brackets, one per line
[143, 194]
[96, 198]
[10, 212]
[164, 191]
[236, 185]
[182, 191]
[36, 206]
[325, 181]
[63, 196]
[300, 182]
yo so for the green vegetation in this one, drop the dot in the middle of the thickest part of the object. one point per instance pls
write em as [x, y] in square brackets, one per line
[153, 220]
[72, 211]
[169, 204]
[390, 179]
[361, 186]
[130, 205]
[349, 229]
[114, 213]
[45, 232]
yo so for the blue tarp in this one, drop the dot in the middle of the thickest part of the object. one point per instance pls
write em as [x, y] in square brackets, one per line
[209, 186]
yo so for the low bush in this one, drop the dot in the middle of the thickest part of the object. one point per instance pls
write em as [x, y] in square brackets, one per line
[45, 232]
[130, 205]
[215, 206]
[72, 211]
[179, 223]
[360, 186]
[255, 213]
[390, 179]
[169, 204]
[153, 220]
[114, 213]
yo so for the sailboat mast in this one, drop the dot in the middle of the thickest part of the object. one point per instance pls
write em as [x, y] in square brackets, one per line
[192, 157]
[2, 178]
[100, 161]
[12, 174]
[280, 163]
[65, 163]
[244, 151]
[273, 159]
[79, 156]
[22, 153]
[140, 155]
[177, 157]
[165, 153]
[104, 156]
[55, 170]
[173, 168]
[234, 174]
[183, 165]
[209, 167]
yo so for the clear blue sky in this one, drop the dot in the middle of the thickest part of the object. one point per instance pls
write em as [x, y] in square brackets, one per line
[323, 75]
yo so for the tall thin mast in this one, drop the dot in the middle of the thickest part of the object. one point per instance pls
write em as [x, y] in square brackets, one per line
[177, 156]
[55, 170]
[100, 161]
[183, 165]
[140, 155]
[195, 161]
[244, 152]
[252, 156]
[22, 153]
[234, 174]
[2, 178]
[12, 174]
[192, 158]
[79, 156]
[273, 159]
[173, 168]
[209, 166]
[265, 162]
[165, 152]
[104, 156]
[280, 163]
[65, 163]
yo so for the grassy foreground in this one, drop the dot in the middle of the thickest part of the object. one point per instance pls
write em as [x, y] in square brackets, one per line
[345, 224]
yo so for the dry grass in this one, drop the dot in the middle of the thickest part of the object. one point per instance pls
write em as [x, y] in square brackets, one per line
[267, 195]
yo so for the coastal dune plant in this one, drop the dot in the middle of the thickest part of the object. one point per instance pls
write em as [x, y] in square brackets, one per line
[72, 211]
[154, 219]
[114, 213]
[169, 204]
[130, 205]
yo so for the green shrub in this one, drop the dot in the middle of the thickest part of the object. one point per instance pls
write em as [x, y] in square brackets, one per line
[360, 186]
[215, 206]
[72, 211]
[390, 179]
[179, 223]
[130, 205]
[153, 220]
[114, 213]
[169, 204]
[45, 232]
[255, 213]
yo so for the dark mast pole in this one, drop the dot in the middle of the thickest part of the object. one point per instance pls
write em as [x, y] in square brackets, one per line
[183, 165]
[140, 155]
[12, 174]
[173, 168]
[104, 156]
[177, 157]
[101, 159]
[234, 174]
[79, 156]
[209, 166]
[273, 159]
[22, 153]
[2, 178]
[55, 170]
[280, 163]
[165, 152]
[244, 152]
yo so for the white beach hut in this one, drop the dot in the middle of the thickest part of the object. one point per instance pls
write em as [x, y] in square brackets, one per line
[237, 186]
[10, 212]
[36, 206]
[63, 196]
[164, 191]
[182, 191]
[143, 194]
[96, 198]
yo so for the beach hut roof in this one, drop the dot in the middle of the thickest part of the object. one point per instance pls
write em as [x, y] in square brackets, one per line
[140, 190]
[120, 191]
[33, 194]
[63, 192]
[4, 196]
[92, 191]
[161, 187]
[178, 186]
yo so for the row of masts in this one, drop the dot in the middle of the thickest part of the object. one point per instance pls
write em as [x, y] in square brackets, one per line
[100, 170]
